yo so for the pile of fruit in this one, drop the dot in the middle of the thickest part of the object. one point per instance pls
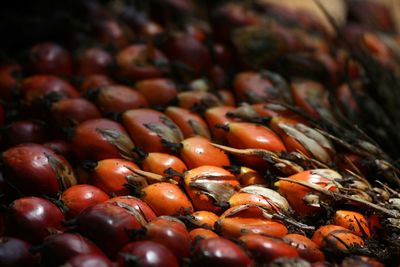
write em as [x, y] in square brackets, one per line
[203, 133]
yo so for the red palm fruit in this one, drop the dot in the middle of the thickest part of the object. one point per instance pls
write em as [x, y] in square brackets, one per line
[190, 123]
[265, 249]
[201, 233]
[36, 170]
[219, 252]
[353, 221]
[9, 81]
[111, 175]
[275, 110]
[197, 100]
[198, 151]
[150, 129]
[15, 252]
[306, 248]
[251, 135]
[59, 248]
[37, 87]
[106, 224]
[50, 58]
[93, 60]
[159, 163]
[187, 50]
[248, 219]
[336, 238]
[253, 87]
[312, 98]
[60, 147]
[32, 219]
[79, 197]
[25, 131]
[72, 111]
[302, 138]
[302, 199]
[146, 254]
[217, 116]
[157, 91]
[166, 199]
[111, 32]
[136, 204]
[99, 139]
[247, 176]
[260, 196]
[361, 261]
[170, 232]
[89, 260]
[95, 81]
[138, 62]
[204, 219]
[117, 99]
[210, 187]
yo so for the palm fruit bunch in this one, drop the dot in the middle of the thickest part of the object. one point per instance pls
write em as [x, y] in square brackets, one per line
[198, 133]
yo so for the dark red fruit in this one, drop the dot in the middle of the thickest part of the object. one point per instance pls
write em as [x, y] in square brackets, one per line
[146, 254]
[25, 131]
[107, 225]
[59, 248]
[15, 253]
[50, 58]
[32, 219]
[219, 252]
[88, 260]
[94, 60]
[36, 170]
[79, 197]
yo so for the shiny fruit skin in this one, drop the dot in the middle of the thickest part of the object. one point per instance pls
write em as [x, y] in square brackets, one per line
[219, 252]
[72, 111]
[201, 233]
[265, 249]
[170, 232]
[89, 260]
[190, 123]
[36, 170]
[137, 204]
[240, 220]
[119, 98]
[167, 199]
[150, 128]
[135, 63]
[147, 254]
[15, 252]
[106, 225]
[50, 58]
[79, 197]
[353, 221]
[90, 143]
[197, 151]
[336, 238]
[157, 91]
[93, 60]
[25, 131]
[32, 219]
[110, 175]
[159, 162]
[59, 248]
[307, 249]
